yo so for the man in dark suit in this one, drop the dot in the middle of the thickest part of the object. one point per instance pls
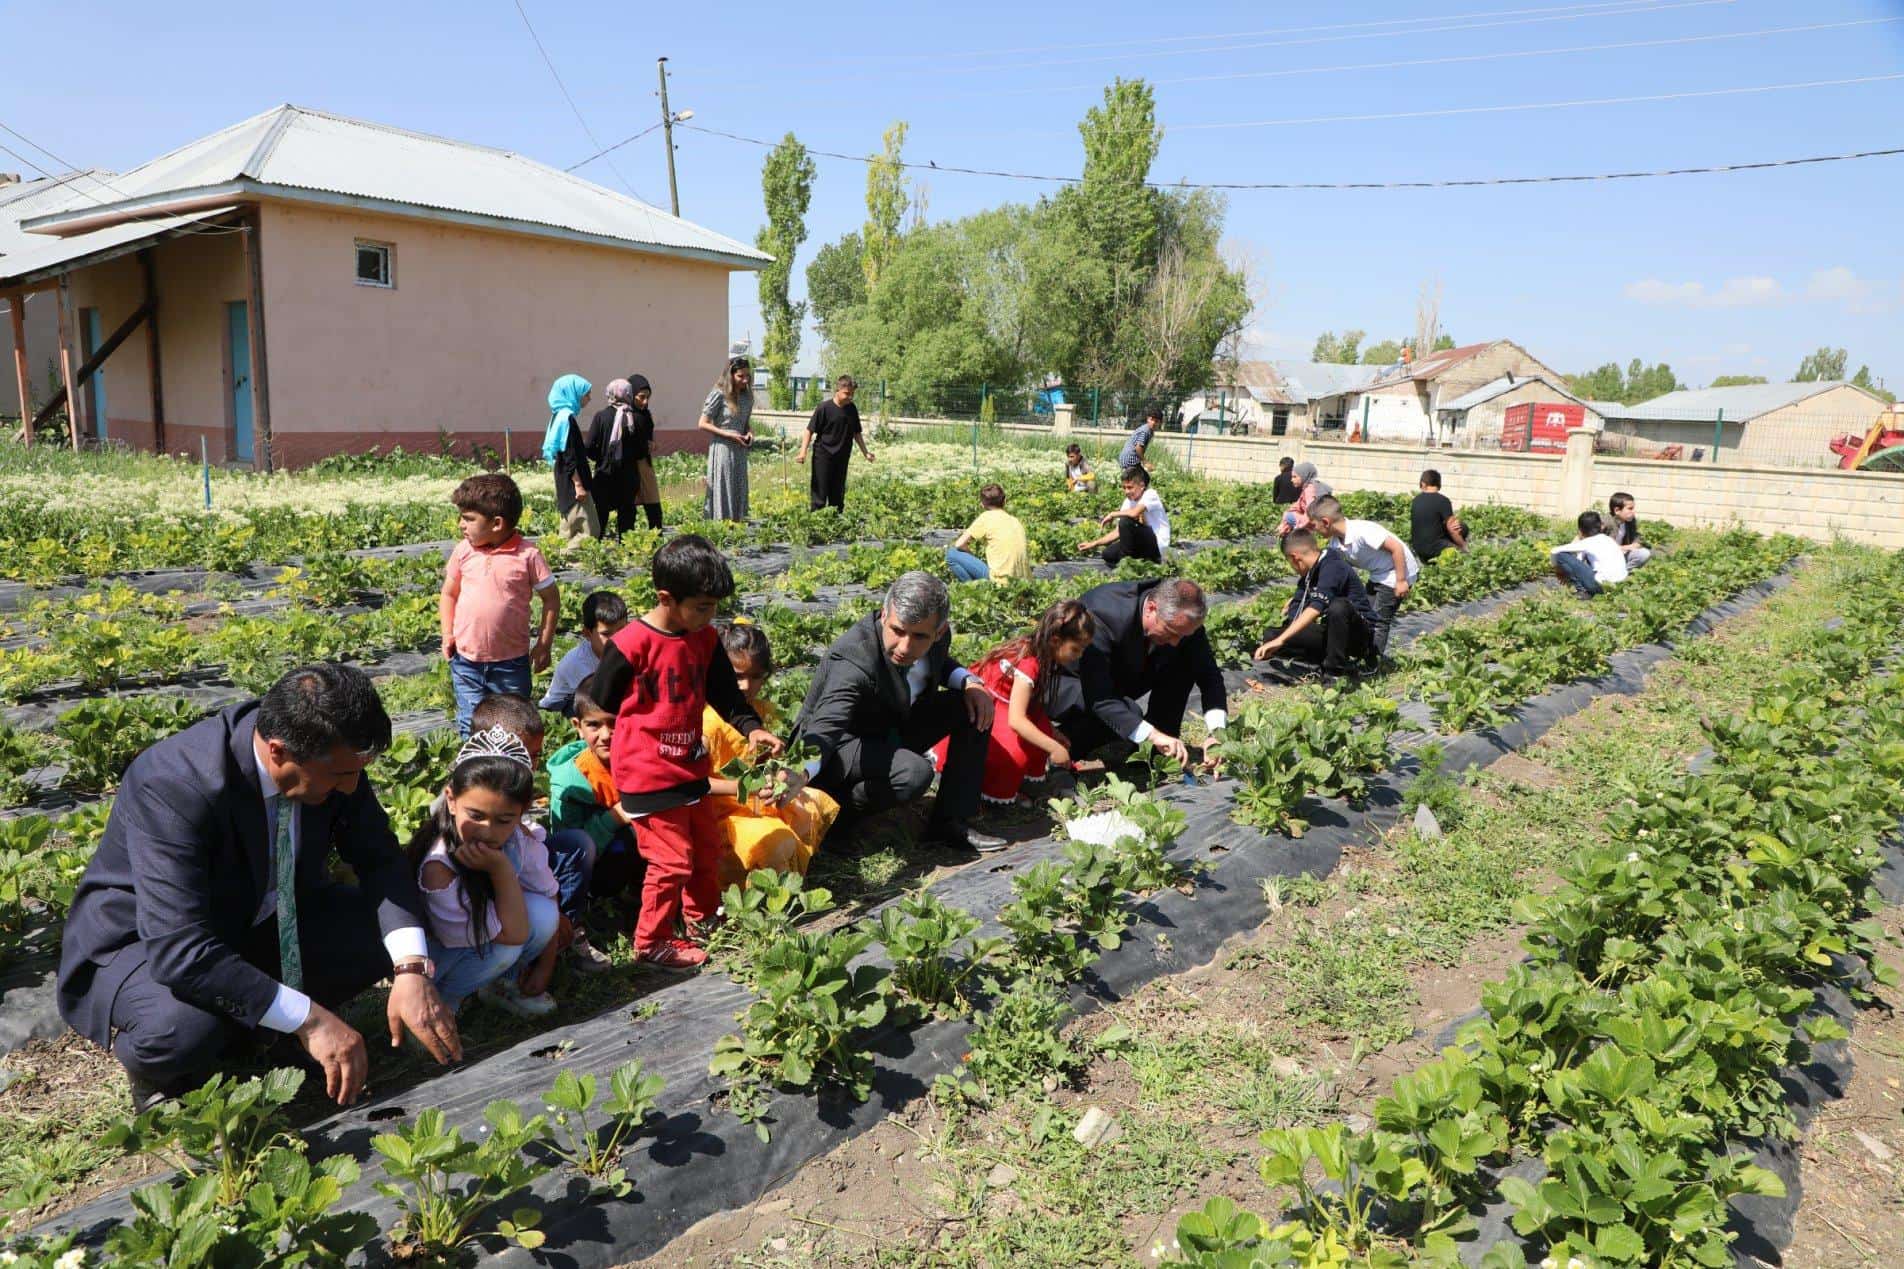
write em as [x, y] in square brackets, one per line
[1150, 639]
[208, 912]
[886, 692]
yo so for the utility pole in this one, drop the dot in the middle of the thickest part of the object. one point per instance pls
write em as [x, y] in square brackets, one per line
[667, 133]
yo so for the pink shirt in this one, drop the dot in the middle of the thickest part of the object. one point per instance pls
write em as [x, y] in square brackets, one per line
[490, 617]
[448, 908]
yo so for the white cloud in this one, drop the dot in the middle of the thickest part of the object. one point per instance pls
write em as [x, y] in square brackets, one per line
[1842, 285]
[1260, 341]
[1732, 293]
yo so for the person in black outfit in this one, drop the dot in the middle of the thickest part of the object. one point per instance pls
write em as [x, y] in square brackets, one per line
[620, 440]
[831, 434]
[886, 692]
[1432, 524]
[563, 446]
[1285, 490]
[1330, 620]
[1150, 640]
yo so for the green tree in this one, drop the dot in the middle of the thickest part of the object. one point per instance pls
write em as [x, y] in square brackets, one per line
[1192, 304]
[1735, 381]
[1344, 349]
[1386, 353]
[836, 281]
[886, 203]
[1825, 364]
[786, 181]
[1864, 380]
[1443, 342]
[1639, 382]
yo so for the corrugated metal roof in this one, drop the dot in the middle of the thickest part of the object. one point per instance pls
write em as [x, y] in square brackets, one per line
[1435, 363]
[1300, 382]
[289, 149]
[1741, 403]
[43, 197]
[1494, 388]
[47, 253]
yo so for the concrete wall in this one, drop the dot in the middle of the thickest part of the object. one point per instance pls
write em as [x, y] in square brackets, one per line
[1863, 506]
[476, 327]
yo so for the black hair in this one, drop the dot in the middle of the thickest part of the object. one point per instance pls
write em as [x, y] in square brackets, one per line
[1298, 537]
[1590, 524]
[846, 381]
[584, 702]
[1154, 412]
[1285, 463]
[498, 774]
[1631, 533]
[317, 707]
[1137, 473]
[511, 711]
[745, 639]
[691, 567]
[602, 608]
[1431, 478]
[492, 494]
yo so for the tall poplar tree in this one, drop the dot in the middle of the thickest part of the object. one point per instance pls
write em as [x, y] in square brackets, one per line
[786, 183]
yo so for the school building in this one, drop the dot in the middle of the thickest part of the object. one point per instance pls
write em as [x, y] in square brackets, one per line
[302, 284]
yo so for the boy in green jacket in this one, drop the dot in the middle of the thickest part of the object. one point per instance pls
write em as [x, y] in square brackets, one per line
[582, 795]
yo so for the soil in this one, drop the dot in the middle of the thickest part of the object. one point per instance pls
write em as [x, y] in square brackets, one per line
[1852, 1209]
[66, 1080]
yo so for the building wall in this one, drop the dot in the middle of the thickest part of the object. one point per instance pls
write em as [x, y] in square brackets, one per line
[475, 329]
[42, 349]
[1799, 435]
[1483, 423]
[1394, 412]
[1863, 506]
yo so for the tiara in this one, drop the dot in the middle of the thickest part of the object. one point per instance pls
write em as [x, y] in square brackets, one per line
[493, 742]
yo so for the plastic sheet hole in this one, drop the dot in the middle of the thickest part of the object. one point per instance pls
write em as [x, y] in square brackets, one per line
[553, 1052]
[384, 1114]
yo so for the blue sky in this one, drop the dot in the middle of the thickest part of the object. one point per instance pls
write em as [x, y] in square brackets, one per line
[1740, 273]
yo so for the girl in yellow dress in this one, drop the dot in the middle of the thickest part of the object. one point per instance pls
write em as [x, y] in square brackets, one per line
[759, 834]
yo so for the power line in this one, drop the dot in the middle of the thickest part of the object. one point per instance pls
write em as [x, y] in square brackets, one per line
[1151, 41]
[1341, 185]
[557, 77]
[1462, 58]
[1447, 111]
[74, 174]
[1633, 9]
[611, 149]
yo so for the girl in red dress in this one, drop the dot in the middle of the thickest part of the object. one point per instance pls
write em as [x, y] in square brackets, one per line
[1022, 676]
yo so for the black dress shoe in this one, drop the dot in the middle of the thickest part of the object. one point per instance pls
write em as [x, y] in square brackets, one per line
[144, 1096]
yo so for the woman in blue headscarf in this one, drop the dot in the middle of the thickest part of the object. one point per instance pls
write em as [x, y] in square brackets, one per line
[564, 448]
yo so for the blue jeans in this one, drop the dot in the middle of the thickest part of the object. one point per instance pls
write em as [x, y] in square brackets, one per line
[473, 680]
[1578, 569]
[966, 566]
[572, 859]
[461, 971]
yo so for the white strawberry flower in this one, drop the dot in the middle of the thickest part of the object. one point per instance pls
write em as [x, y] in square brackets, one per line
[1632, 856]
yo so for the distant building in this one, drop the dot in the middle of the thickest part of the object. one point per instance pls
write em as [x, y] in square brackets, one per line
[39, 319]
[1768, 423]
[1277, 398]
[1405, 404]
[302, 284]
[1473, 419]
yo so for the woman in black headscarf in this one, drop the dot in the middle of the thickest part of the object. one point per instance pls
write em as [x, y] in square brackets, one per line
[621, 438]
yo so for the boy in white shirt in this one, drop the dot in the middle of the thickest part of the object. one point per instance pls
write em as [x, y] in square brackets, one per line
[1590, 562]
[1142, 530]
[1391, 566]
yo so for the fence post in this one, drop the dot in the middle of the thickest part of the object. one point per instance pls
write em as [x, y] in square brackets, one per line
[1718, 434]
[506, 455]
[974, 449]
[882, 400]
[1094, 392]
[1365, 409]
[1576, 474]
[205, 464]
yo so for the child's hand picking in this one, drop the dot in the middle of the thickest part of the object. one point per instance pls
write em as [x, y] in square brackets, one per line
[762, 739]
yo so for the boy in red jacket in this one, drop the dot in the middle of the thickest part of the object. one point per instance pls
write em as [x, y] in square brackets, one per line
[657, 675]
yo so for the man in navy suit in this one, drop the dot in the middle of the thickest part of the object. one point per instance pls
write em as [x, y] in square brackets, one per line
[209, 911]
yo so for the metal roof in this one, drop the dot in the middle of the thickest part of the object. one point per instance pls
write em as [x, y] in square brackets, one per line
[43, 197]
[1741, 403]
[55, 255]
[1494, 388]
[1435, 363]
[1300, 382]
[303, 155]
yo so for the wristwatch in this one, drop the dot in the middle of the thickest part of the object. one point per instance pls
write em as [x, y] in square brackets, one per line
[416, 965]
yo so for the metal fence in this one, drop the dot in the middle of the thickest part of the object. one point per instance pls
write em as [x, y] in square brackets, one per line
[1866, 440]
[1004, 403]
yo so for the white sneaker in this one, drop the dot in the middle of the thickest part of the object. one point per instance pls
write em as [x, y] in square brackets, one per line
[589, 959]
[508, 996]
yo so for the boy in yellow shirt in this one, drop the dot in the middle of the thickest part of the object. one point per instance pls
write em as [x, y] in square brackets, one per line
[1003, 536]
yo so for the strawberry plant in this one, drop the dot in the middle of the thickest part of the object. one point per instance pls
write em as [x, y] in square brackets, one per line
[760, 913]
[20, 753]
[922, 937]
[595, 1152]
[440, 1216]
[103, 736]
[762, 773]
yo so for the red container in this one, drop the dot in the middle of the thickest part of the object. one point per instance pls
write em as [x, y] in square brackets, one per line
[1540, 427]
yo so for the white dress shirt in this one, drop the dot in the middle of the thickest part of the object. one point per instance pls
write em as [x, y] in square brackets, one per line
[291, 1007]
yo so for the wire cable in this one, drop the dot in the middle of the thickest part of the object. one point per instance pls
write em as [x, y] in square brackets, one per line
[1451, 183]
[557, 77]
[74, 174]
[618, 145]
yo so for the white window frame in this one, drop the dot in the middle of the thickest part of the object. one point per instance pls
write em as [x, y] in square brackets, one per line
[389, 281]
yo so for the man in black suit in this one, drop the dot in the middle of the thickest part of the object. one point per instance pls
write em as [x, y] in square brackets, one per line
[886, 692]
[208, 912]
[1150, 639]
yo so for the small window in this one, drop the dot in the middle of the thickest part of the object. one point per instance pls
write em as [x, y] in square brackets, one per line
[373, 264]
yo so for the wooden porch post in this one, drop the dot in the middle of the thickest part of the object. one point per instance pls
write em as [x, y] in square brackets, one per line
[152, 351]
[74, 418]
[22, 373]
[260, 380]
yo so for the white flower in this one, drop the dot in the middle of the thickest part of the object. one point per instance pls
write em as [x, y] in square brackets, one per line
[1632, 856]
[8, 1258]
[1738, 925]
[1157, 1251]
[1643, 834]
[1550, 1263]
[1836, 818]
[72, 1259]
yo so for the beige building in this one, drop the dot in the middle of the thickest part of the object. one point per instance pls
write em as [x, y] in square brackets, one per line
[1404, 405]
[300, 285]
[1765, 424]
[38, 326]
[1473, 420]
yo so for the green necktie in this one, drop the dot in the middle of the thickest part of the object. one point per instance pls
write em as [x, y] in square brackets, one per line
[290, 956]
